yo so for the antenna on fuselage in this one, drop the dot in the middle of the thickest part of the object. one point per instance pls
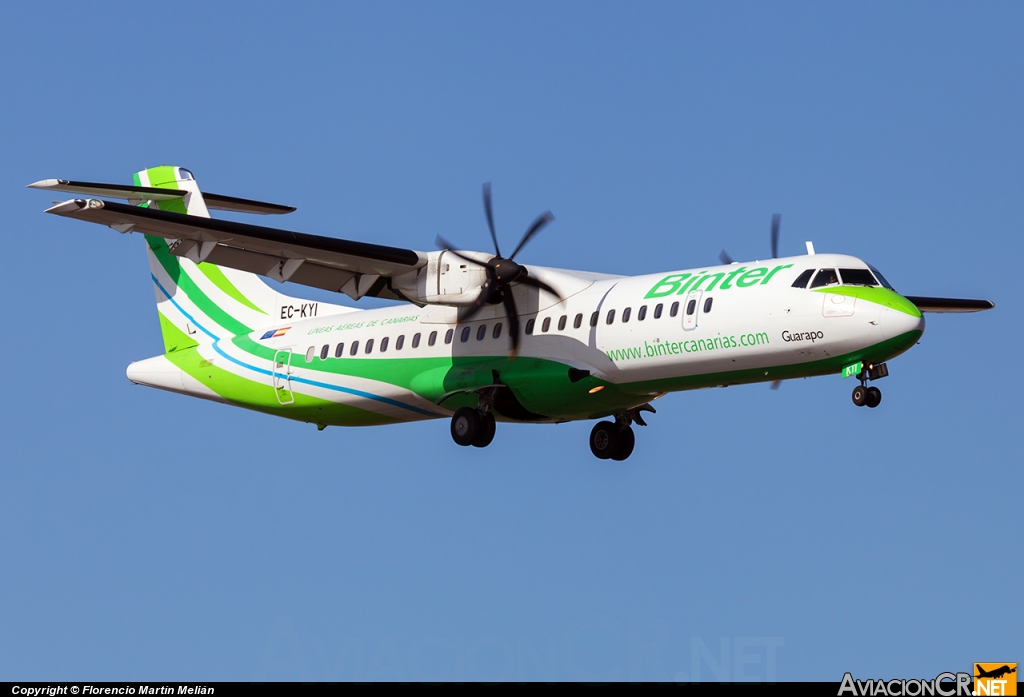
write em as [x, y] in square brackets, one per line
[810, 248]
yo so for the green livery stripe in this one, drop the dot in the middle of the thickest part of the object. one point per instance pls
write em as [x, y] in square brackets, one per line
[261, 397]
[833, 365]
[174, 338]
[195, 294]
[217, 277]
[877, 295]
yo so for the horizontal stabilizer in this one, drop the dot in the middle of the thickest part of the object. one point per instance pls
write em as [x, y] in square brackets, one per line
[950, 304]
[149, 193]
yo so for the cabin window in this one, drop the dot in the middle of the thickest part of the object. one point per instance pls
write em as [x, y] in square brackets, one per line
[546, 324]
[610, 318]
[449, 335]
[691, 307]
[657, 311]
[825, 277]
[431, 340]
[416, 340]
[185, 175]
[802, 279]
[325, 351]
[354, 348]
[310, 354]
[369, 345]
[529, 326]
[561, 322]
[465, 334]
[384, 344]
[339, 350]
[481, 332]
[497, 331]
[400, 342]
[641, 314]
[707, 305]
[674, 310]
[857, 277]
[626, 313]
[578, 321]
[593, 319]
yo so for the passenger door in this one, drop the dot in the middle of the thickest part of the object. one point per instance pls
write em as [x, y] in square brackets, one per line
[282, 376]
[691, 309]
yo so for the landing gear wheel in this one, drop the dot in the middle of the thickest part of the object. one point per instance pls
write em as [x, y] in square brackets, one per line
[604, 440]
[485, 431]
[626, 442]
[465, 425]
[874, 397]
[860, 395]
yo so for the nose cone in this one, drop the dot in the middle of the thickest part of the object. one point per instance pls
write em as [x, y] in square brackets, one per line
[902, 321]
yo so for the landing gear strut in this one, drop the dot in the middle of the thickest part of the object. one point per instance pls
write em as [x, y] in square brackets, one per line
[869, 396]
[614, 440]
[475, 427]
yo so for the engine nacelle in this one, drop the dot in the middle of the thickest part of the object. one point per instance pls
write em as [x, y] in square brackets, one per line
[445, 280]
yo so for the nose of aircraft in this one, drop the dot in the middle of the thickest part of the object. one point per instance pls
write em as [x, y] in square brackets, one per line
[902, 319]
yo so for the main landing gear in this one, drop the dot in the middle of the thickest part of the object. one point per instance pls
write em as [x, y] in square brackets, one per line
[614, 440]
[475, 427]
[470, 427]
[864, 396]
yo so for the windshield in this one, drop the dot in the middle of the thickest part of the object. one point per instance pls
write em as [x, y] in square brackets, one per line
[857, 277]
[880, 277]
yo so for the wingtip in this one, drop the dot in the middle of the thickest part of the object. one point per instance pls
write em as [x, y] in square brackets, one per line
[43, 184]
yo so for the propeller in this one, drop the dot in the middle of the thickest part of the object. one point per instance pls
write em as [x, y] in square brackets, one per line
[502, 272]
[776, 220]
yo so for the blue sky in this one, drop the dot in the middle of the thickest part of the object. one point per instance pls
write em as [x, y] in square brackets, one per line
[753, 534]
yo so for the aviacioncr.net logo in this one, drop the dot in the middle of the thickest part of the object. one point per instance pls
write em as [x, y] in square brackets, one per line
[944, 685]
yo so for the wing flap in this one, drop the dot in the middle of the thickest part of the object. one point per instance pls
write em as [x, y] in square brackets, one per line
[925, 304]
[326, 262]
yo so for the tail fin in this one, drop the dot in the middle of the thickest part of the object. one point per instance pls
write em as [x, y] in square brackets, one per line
[198, 301]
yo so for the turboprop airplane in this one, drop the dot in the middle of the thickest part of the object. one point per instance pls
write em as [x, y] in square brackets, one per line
[479, 337]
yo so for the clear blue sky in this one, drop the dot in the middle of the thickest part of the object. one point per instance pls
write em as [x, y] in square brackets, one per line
[147, 535]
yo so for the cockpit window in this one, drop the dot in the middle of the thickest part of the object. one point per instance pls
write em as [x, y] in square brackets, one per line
[184, 174]
[802, 279]
[825, 277]
[880, 277]
[857, 277]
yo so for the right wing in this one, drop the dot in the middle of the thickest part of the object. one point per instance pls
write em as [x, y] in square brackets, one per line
[353, 268]
[949, 304]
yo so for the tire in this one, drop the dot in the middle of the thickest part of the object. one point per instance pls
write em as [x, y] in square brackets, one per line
[485, 431]
[874, 397]
[627, 439]
[465, 425]
[604, 440]
[860, 395]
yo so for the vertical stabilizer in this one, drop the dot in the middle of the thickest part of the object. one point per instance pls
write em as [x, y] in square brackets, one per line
[198, 301]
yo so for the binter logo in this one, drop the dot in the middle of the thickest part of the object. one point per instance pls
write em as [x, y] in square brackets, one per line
[740, 277]
[995, 679]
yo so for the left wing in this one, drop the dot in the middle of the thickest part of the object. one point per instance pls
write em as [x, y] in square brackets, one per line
[353, 268]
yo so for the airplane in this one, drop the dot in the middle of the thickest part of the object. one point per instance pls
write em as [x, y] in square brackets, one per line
[479, 337]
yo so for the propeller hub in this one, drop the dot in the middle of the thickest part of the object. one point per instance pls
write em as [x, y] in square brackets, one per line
[505, 271]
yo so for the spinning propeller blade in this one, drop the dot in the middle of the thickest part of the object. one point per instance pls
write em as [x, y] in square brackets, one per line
[502, 272]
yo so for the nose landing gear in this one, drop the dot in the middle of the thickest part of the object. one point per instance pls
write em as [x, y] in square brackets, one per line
[864, 396]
